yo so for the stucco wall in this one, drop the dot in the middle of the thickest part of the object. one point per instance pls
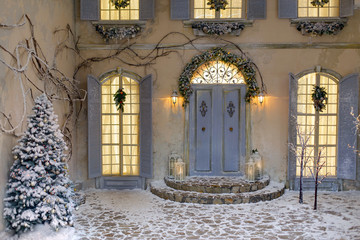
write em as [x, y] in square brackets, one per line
[283, 51]
[46, 16]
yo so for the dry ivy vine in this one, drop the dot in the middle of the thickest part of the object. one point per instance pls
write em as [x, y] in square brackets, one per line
[27, 57]
[58, 86]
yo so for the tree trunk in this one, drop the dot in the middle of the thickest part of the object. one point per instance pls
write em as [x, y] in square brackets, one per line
[316, 188]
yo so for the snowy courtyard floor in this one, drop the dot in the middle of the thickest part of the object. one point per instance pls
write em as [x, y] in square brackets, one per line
[137, 214]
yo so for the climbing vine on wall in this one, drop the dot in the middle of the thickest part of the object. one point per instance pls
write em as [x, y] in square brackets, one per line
[244, 65]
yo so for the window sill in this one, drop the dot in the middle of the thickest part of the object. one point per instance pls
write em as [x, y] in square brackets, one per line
[123, 23]
[295, 21]
[217, 26]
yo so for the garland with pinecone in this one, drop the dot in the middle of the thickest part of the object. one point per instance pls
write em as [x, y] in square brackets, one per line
[319, 97]
[120, 98]
[120, 3]
[319, 3]
[217, 4]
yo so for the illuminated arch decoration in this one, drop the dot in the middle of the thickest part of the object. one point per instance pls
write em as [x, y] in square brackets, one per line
[245, 66]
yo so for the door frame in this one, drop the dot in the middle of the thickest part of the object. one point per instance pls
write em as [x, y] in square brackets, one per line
[190, 131]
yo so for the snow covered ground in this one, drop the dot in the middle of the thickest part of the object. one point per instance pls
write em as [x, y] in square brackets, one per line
[137, 214]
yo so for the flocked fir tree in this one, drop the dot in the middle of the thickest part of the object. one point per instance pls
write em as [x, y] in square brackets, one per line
[39, 189]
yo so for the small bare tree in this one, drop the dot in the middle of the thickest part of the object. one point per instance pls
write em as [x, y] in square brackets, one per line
[302, 155]
[315, 174]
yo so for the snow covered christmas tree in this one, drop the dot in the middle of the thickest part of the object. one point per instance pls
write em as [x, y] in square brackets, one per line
[39, 189]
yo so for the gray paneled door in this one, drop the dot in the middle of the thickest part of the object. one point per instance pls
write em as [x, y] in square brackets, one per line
[216, 130]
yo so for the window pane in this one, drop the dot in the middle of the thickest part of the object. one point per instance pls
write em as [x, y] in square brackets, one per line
[115, 169]
[199, 3]
[236, 3]
[106, 169]
[106, 159]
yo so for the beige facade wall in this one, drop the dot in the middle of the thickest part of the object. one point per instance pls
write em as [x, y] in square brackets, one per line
[273, 44]
[46, 17]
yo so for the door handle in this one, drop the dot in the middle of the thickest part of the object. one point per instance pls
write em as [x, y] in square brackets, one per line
[203, 129]
[231, 129]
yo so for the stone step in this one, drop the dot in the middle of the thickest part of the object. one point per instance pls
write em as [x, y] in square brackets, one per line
[217, 184]
[270, 192]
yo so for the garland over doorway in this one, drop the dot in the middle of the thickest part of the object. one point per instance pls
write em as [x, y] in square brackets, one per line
[244, 65]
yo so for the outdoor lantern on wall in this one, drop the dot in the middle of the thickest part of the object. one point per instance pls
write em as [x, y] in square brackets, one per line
[261, 97]
[173, 157]
[250, 170]
[180, 170]
[174, 97]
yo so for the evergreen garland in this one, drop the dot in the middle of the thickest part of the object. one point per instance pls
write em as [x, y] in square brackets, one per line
[217, 4]
[244, 66]
[320, 28]
[318, 96]
[217, 28]
[120, 98]
[120, 3]
[108, 33]
[319, 3]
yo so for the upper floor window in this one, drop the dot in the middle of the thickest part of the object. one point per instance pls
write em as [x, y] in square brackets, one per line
[307, 10]
[109, 12]
[234, 9]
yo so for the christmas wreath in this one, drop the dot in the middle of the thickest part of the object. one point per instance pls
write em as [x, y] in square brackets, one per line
[120, 3]
[319, 3]
[217, 4]
[120, 98]
[319, 96]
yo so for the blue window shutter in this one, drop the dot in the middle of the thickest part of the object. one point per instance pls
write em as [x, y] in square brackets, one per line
[348, 101]
[292, 132]
[89, 10]
[287, 8]
[346, 8]
[94, 127]
[180, 9]
[147, 9]
[256, 9]
[146, 163]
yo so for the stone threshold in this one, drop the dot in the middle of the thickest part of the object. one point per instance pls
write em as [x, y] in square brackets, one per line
[270, 192]
[217, 184]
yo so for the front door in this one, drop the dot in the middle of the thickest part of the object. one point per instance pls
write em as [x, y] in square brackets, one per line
[217, 130]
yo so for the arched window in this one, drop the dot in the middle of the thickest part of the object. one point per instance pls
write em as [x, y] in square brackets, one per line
[321, 126]
[217, 72]
[120, 130]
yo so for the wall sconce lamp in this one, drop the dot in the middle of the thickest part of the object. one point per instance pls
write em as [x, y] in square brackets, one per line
[261, 97]
[174, 97]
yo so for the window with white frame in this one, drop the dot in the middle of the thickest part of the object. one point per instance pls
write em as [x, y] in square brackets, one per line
[307, 10]
[109, 12]
[120, 130]
[320, 127]
[235, 9]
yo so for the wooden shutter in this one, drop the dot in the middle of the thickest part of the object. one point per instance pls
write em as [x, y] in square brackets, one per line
[146, 163]
[147, 9]
[287, 8]
[94, 127]
[180, 9]
[346, 8]
[89, 10]
[256, 9]
[347, 138]
[292, 133]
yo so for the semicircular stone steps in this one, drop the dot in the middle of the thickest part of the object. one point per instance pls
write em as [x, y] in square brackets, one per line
[217, 190]
[217, 184]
